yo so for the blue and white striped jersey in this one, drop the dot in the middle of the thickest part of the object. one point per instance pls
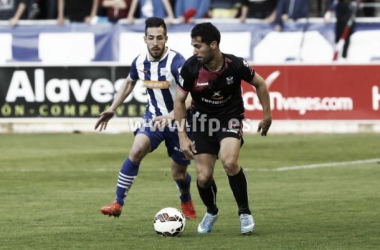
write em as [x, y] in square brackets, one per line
[160, 101]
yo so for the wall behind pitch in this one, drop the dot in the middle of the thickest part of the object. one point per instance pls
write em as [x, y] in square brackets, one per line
[304, 98]
[65, 92]
[298, 92]
[319, 92]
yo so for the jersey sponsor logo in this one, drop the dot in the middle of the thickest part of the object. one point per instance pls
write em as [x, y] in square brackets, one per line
[233, 124]
[164, 72]
[181, 80]
[157, 84]
[217, 95]
[230, 80]
[232, 131]
[202, 83]
[199, 86]
[246, 64]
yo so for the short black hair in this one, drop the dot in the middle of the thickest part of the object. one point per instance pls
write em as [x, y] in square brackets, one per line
[155, 22]
[207, 31]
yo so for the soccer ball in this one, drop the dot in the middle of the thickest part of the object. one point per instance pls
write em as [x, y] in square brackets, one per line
[169, 222]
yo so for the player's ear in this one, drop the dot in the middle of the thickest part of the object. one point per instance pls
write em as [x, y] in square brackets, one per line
[213, 45]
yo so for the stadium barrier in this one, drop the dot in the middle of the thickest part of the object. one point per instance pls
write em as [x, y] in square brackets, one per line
[307, 41]
[59, 78]
[305, 98]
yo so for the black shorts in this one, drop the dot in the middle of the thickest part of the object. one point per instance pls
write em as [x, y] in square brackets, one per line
[208, 136]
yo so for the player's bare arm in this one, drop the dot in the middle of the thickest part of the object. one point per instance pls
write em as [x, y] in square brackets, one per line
[263, 94]
[125, 89]
[186, 144]
[165, 120]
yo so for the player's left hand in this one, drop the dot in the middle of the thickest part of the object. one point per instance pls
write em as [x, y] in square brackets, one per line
[264, 126]
[160, 122]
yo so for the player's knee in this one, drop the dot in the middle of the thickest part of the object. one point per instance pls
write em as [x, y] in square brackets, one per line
[230, 165]
[179, 176]
[204, 180]
[136, 154]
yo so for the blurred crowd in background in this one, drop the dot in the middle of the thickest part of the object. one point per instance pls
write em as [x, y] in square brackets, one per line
[181, 11]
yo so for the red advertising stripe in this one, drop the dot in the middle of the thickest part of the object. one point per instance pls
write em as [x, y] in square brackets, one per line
[331, 92]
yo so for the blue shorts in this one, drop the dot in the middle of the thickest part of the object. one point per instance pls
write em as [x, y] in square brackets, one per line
[169, 134]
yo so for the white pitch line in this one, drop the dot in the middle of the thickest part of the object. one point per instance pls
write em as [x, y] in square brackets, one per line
[327, 165]
[320, 165]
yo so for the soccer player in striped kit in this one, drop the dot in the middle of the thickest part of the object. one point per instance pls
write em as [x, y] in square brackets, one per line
[159, 69]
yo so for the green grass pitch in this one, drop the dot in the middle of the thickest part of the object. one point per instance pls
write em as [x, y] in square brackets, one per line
[52, 187]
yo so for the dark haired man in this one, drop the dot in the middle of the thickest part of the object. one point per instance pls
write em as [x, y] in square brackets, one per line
[159, 69]
[214, 81]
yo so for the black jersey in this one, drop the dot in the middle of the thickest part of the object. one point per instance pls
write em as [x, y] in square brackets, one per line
[217, 94]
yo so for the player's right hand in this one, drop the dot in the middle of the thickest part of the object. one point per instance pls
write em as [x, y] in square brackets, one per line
[187, 147]
[103, 120]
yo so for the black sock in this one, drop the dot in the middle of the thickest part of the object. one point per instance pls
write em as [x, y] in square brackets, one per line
[208, 196]
[239, 187]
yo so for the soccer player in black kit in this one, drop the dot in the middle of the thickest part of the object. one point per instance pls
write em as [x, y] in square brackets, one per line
[214, 81]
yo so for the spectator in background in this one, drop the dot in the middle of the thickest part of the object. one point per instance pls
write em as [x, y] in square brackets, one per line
[77, 10]
[116, 9]
[188, 10]
[43, 9]
[259, 9]
[224, 8]
[151, 8]
[291, 9]
[13, 10]
[343, 11]
[50, 9]
[368, 11]
[35, 10]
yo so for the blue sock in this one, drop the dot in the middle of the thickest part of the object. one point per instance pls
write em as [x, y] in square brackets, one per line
[127, 175]
[184, 188]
